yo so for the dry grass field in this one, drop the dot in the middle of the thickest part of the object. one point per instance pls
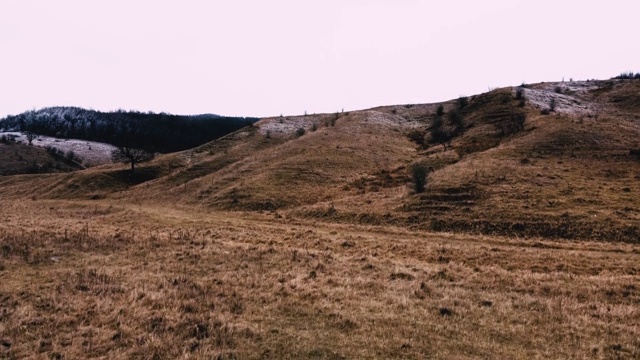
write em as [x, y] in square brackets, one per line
[271, 244]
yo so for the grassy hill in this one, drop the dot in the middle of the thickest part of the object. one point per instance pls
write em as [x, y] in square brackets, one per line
[23, 159]
[565, 173]
[303, 237]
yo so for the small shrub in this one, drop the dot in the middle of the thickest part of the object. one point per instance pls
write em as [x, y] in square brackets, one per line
[519, 120]
[558, 90]
[455, 118]
[552, 104]
[419, 177]
[519, 93]
[522, 102]
[628, 76]
[314, 127]
[463, 101]
[440, 110]
[437, 123]
[417, 137]
[300, 132]
[71, 155]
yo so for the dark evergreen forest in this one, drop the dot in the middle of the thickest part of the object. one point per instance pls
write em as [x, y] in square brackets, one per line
[149, 131]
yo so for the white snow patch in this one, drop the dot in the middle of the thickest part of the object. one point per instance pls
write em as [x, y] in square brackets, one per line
[568, 102]
[92, 153]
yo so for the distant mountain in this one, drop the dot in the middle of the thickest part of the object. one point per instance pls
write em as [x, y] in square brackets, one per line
[150, 131]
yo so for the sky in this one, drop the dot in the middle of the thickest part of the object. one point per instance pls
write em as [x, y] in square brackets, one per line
[266, 58]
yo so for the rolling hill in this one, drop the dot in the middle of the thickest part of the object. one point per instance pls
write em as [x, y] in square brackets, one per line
[565, 173]
[305, 237]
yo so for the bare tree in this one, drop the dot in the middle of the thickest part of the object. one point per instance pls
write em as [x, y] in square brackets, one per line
[129, 155]
[30, 135]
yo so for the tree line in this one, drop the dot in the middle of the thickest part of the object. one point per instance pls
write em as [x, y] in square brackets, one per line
[151, 132]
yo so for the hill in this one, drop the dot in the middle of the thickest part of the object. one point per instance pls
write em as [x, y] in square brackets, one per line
[23, 159]
[305, 237]
[508, 166]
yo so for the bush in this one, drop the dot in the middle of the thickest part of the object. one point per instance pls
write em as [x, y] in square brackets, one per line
[519, 93]
[440, 110]
[300, 132]
[440, 136]
[455, 118]
[419, 177]
[463, 101]
[558, 90]
[627, 76]
[552, 104]
[519, 120]
[72, 156]
[314, 127]
[417, 137]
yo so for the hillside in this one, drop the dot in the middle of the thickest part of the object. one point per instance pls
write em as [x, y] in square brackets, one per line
[23, 159]
[303, 237]
[566, 173]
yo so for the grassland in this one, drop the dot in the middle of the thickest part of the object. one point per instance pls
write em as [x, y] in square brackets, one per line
[266, 244]
[118, 281]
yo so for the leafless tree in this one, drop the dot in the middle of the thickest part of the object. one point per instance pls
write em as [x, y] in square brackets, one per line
[128, 155]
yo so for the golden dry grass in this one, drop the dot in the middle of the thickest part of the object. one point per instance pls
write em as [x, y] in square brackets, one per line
[109, 280]
[266, 244]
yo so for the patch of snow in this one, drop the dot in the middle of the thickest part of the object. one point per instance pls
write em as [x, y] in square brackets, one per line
[567, 102]
[92, 153]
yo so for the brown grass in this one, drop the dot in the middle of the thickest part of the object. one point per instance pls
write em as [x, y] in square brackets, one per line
[523, 245]
[117, 281]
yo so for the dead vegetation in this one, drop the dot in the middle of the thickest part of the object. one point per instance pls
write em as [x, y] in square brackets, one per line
[179, 284]
[523, 242]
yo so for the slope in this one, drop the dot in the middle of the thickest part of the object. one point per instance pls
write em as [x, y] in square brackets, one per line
[550, 160]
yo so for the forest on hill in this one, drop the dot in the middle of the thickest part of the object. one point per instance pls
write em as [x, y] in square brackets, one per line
[160, 132]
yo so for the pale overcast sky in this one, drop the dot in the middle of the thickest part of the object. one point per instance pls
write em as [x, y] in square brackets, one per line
[262, 58]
